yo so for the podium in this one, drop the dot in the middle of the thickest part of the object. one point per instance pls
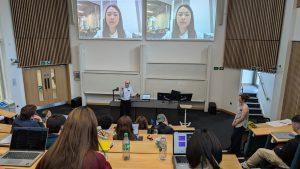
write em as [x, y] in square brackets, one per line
[185, 107]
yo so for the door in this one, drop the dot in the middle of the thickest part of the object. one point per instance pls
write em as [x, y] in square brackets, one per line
[46, 85]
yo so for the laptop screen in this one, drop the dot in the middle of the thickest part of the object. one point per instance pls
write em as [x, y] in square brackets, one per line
[29, 138]
[180, 139]
[146, 97]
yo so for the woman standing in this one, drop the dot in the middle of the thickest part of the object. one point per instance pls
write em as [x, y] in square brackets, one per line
[239, 124]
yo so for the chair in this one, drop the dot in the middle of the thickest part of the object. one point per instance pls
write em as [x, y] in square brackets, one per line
[296, 161]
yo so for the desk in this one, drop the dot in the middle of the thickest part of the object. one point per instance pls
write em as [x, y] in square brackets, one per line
[7, 114]
[264, 129]
[143, 147]
[144, 161]
[5, 128]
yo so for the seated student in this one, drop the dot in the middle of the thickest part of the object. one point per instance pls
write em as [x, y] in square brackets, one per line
[204, 150]
[77, 146]
[124, 125]
[280, 156]
[54, 123]
[105, 122]
[46, 114]
[28, 118]
[143, 123]
[163, 125]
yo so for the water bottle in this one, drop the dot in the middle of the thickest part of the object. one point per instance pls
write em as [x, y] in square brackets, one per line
[163, 148]
[126, 147]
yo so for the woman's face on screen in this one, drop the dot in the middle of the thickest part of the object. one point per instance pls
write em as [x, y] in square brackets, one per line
[183, 18]
[112, 17]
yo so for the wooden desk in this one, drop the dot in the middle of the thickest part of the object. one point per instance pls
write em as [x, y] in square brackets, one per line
[230, 161]
[265, 129]
[144, 161]
[7, 114]
[143, 147]
[5, 128]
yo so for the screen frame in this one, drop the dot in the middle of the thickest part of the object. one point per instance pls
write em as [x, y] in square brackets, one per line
[176, 40]
[111, 39]
[185, 131]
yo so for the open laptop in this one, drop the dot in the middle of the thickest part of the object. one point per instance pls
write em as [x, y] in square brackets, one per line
[146, 97]
[27, 145]
[180, 139]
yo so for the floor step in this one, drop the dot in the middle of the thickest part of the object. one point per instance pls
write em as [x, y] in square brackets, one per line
[251, 94]
[255, 111]
[252, 100]
[253, 105]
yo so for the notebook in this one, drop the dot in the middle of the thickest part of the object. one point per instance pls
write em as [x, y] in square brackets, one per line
[283, 135]
[27, 145]
[180, 139]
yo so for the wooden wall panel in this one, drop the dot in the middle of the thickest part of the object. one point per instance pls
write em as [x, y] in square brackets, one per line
[298, 3]
[253, 33]
[41, 31]
[291, 101]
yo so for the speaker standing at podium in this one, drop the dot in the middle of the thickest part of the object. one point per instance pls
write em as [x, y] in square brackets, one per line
[125, 94]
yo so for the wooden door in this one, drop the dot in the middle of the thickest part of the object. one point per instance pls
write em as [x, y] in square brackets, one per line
[45, 85]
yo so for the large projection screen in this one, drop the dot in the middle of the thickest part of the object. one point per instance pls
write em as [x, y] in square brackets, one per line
[180, 20]
[110, 19]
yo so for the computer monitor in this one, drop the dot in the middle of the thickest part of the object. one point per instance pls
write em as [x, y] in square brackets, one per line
[164, 96]
[185, 97]
[175, 95]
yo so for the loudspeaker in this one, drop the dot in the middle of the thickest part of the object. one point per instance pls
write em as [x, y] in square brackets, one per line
[76, 102]
[212, 108]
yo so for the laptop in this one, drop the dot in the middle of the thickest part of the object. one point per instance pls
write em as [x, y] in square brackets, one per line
[27, 145]
[146, 97]
[180, 139]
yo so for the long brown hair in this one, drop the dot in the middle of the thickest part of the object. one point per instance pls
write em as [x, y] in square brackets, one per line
[143, 123]
[124, 125]
[78, 138]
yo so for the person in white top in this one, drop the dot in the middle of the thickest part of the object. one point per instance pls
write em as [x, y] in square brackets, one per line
[183, 25]
[239, 124]
[126, 93]
[112, 24]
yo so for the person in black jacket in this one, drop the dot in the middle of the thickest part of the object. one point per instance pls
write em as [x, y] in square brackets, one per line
[281, 157]
[163, 125]
[28, 118]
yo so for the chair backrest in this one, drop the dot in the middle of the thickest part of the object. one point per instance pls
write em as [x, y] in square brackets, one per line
[296, 161]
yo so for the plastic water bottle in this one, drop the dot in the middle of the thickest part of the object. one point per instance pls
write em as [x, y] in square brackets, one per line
[126, 147]
[163, 148]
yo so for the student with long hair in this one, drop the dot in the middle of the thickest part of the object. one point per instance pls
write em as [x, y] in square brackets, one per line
[204, 150]
[77, 145]
[143, 123]
[112, 24]
[124, 125]
[183, 25]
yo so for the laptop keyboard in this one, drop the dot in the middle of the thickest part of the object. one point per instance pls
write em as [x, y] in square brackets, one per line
[20, 155]
[181, 159]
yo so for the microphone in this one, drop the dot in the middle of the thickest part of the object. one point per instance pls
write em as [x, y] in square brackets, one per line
[116, 89]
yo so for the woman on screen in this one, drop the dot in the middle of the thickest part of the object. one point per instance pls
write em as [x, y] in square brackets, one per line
[112, 24]
[183, 27]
